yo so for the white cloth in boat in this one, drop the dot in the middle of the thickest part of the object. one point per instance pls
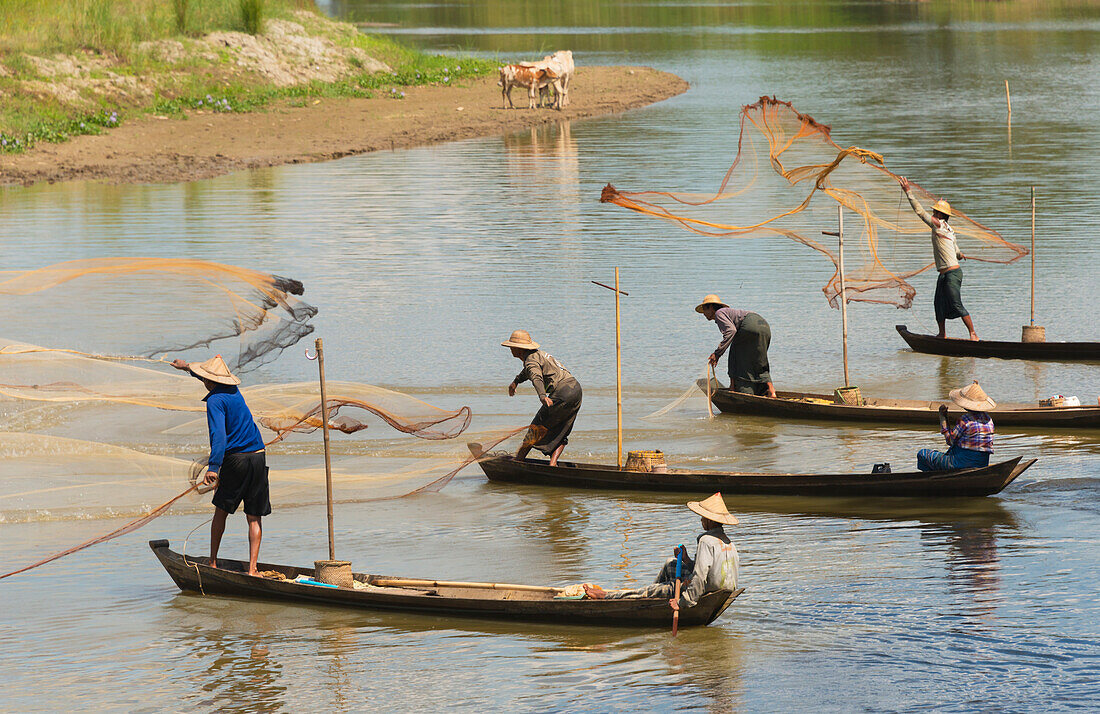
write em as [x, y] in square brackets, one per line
[715, 568]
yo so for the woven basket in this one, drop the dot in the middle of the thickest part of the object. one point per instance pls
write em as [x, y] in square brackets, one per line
[648, 461]
[849, 396]
[1058, 401]
[333, 572]
[1033, 333]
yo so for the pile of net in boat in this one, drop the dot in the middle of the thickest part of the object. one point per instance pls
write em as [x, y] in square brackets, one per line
[787, 179]
[162, 306]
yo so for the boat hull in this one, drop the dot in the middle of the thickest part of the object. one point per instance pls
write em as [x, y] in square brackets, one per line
[788, 405]
[1057, 351]
[502, 602]
[963, 482]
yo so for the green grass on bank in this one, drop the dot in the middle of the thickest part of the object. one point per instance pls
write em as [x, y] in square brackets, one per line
[107, 35]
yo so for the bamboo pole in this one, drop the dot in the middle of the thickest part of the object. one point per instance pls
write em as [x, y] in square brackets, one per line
[843, 293]
[1008, 100]
[1032, 255]
[839, 234]
[328, 463]
[412, 583]
[618, 367]
[710, 381]
[618, 376]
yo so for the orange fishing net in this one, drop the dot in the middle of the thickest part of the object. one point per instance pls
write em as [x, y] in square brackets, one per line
[787, 159]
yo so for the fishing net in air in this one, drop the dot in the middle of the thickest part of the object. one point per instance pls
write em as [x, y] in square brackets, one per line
[159, 306]
[787, 180]
[31, 375]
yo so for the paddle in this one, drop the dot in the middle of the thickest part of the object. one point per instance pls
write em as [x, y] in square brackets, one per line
[676, 611]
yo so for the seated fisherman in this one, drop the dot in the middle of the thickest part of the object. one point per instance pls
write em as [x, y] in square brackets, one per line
[970, 441]
[714, 567]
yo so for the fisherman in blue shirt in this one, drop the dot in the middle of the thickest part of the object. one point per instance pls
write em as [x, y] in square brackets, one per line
[237, 461]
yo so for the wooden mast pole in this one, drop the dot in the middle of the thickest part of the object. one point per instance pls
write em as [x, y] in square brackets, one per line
[618, 376]
[843, 293]
[839, 234]
[618, 367]
[328, 463]
[1032, 255]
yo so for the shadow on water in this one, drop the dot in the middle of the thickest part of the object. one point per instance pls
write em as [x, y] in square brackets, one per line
[987, 511]
[233, 627]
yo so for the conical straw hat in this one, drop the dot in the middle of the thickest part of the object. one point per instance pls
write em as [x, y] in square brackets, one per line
[972, 397]
[521, 339]
[215, 370]
[943, 207]
[714, 508]
[710, 300]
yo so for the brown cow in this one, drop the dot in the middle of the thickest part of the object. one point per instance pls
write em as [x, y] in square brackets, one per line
[532, 77]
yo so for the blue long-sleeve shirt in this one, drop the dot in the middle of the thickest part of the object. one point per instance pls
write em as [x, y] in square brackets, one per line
[232, 429]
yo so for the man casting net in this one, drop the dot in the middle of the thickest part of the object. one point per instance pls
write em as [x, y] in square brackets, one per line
[787, 179]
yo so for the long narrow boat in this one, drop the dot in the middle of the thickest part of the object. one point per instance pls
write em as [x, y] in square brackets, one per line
[1061, 351]
[962, 482]
[802, 405]
[379, 592]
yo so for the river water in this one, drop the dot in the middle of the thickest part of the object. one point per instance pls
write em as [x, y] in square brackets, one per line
[422, 261]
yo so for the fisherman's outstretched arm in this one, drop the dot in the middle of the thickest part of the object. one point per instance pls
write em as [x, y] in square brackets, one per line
[919, 209]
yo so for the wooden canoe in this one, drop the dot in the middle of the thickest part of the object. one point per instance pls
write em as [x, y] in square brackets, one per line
[802, 405]
[962, 482]
[487, 600]
[1060, 351]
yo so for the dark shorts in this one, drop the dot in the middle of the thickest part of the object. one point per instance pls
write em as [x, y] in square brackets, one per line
[949, 304]
[243, 477]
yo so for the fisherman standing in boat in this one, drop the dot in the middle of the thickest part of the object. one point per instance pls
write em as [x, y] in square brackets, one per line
[559, 393]
[237, 462]
[970, 441]
[714, 567]
[945, 249]
[747, 336]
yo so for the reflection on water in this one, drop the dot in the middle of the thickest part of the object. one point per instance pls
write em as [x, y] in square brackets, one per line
[422, 260]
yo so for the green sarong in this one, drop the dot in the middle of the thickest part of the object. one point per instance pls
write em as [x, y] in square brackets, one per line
[749, 370]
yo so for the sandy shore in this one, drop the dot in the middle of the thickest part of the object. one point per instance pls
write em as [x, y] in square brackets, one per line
[160, 150]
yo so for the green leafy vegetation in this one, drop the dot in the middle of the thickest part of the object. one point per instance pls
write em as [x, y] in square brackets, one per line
[71, 67]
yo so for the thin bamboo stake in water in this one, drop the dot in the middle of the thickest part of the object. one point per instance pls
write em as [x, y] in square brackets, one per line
[1008, 100]
[1032, 255]
[328, 464]
[618, 375]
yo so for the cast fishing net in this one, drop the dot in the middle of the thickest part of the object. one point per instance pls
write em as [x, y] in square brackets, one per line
[95, 428]
[788, 160]
[162, 306]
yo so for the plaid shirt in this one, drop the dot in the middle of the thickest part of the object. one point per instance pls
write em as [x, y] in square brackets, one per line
[971, 432]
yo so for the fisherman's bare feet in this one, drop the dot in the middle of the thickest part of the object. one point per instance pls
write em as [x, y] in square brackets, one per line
[974, 336]
[594, 592]
[942, 335]
[254, 573]
[214, 563]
